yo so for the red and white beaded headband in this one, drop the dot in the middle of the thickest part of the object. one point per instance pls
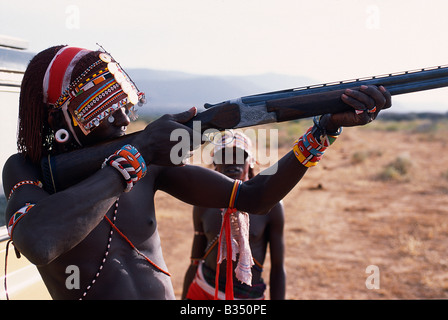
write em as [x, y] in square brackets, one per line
[59, 71]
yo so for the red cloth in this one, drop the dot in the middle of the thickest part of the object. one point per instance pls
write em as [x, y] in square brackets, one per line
[195, 292]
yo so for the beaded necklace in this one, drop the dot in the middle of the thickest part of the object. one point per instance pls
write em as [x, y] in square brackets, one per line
[112, 229]
[111, 232]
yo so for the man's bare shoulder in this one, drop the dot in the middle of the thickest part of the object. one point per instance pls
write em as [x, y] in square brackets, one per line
[15, 159]
[18, 168]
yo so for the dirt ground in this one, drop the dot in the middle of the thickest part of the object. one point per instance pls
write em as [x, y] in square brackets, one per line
[351, 212]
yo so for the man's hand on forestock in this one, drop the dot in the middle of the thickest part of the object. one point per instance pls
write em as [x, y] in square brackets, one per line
[367, 102]
[157, 140]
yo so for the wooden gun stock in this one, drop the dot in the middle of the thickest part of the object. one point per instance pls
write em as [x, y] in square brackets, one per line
[222, 116]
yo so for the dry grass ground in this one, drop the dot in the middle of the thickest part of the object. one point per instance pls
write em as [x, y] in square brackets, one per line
[379, 197]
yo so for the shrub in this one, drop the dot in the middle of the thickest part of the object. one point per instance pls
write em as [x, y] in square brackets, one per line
[397, 170]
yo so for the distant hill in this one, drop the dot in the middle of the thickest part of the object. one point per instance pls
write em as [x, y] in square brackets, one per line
[410, 116]
[172, 91]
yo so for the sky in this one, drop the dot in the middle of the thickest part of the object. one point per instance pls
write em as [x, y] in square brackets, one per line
[325, 40]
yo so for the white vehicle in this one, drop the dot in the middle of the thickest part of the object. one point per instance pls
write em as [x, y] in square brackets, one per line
[23, 281]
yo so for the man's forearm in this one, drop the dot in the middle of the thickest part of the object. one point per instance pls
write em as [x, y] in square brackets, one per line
[259, 194]
[64, 170]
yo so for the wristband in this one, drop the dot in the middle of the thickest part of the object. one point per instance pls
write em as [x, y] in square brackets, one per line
[302, 159]
[125, 168]
[310, 148]
[308, 153]
[130, 163]
[134, 157]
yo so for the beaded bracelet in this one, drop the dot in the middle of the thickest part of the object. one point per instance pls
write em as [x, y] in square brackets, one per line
[125, 168]
[310, 147]
[298, 152]
[135, 159]
[130, 163]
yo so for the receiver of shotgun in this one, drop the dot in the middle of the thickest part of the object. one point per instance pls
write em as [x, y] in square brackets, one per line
[308, 101]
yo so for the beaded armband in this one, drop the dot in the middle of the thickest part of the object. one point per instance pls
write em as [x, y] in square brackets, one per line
[22, 183]
[195, 261]
[310, 147]
[130, 163]
[17, 216]
[235, 192]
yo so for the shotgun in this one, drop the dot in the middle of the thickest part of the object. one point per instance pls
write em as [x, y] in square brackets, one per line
[277, 106]
[309, 101]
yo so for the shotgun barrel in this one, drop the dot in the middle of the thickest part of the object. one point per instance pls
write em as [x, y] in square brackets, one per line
[308, 101]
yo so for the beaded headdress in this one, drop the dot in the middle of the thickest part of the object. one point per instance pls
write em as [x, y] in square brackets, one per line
[90, 98]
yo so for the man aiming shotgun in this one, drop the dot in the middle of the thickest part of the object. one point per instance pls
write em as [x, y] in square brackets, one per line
[95, 209]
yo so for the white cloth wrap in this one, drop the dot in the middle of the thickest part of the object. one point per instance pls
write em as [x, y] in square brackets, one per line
[239, 224]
